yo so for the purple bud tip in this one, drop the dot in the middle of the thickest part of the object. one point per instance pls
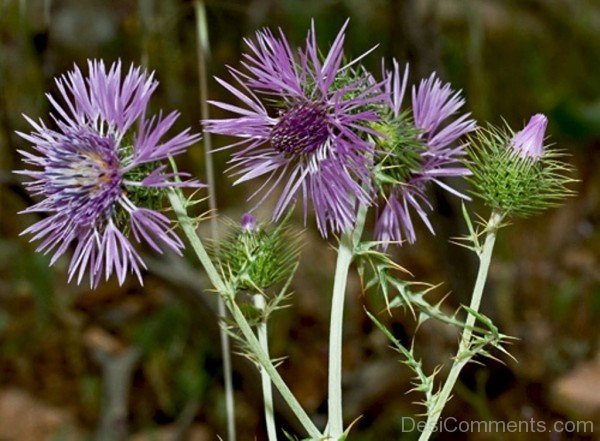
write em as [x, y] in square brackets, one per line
[529, 142]
[248, 222]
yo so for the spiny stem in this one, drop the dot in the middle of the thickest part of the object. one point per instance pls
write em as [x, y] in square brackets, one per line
[485, 256]
[348, 242]
[259, 303]
[203, 48]
[177, 202]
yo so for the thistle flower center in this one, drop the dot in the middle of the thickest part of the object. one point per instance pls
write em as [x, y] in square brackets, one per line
[301, 129]
[82, 175]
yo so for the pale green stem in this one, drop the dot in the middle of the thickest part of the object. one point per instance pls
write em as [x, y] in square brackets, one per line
[348, 242]
[265, 362]
[253, 344]
[203, 48]
[485, 257]
[263, 338]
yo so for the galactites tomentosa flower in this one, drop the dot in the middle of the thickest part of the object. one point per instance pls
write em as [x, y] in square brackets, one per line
[100, 174]
[254, 258]
[304, 125]
[514, 173]
[417, 148]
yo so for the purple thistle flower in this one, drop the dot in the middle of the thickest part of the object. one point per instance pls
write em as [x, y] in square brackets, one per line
[312, 139]
[92, 167]
[529, 142]
[425, 151]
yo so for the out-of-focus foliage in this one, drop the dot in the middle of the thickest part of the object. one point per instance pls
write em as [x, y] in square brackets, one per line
[513, 58]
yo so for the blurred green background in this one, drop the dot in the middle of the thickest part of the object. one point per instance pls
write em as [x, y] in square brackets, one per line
[150, 355]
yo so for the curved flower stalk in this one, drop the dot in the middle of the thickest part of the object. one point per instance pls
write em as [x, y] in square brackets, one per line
[224, 288]
[303, 124]
[99, 172]
[515, 174]
[418, 148]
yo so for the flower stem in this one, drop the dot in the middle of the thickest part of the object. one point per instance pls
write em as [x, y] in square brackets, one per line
[259, 303]
[203, 49]
[346, 248]
[265, 362]
[485, 256]
[176, 200]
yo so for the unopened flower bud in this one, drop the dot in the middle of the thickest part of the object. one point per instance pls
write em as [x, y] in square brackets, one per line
[513, 172]
[529, 142]
[255, 258]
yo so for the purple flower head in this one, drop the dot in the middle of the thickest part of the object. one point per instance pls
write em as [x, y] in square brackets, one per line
[529, 142]
[99, 170]
[418, 149]
[303, 124]
[248, 223]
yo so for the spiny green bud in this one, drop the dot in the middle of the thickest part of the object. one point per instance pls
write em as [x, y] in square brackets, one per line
[256, 259]
[399, 151]
[515, 173]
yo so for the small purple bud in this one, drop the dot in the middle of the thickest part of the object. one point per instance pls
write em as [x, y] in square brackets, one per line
[248, 223]
[529, 142]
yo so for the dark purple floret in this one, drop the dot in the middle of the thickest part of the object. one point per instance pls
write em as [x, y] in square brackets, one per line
[301, 130]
